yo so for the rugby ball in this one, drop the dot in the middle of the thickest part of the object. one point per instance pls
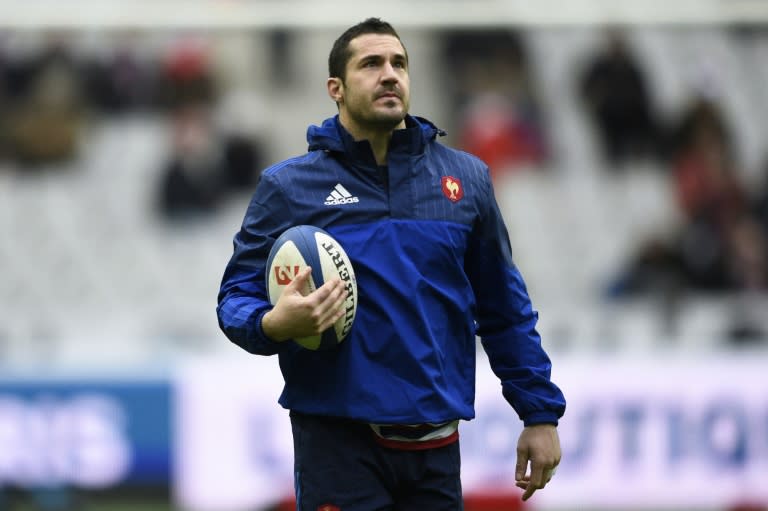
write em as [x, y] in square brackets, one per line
[306, 245]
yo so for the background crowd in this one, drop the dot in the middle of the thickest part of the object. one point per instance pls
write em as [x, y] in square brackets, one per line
[126, 155]
[630, 162]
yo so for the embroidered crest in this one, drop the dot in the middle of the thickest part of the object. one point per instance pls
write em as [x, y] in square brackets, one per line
[452, 188]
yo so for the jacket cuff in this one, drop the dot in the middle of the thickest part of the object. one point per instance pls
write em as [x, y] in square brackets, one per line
[260, 330]
[540, 418]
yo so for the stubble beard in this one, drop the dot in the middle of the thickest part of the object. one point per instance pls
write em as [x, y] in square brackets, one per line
[386, 120]
[372, 114]
[386, 123]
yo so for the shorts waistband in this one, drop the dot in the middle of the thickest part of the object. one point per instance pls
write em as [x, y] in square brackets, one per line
[416, 436]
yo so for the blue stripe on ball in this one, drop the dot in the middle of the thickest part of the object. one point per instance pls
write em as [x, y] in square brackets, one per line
[309, 250]
[328, 339]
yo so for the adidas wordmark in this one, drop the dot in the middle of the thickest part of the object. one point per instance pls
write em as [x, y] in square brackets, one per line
[340, 195]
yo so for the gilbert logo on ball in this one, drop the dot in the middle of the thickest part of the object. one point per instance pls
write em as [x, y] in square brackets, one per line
[306, 245]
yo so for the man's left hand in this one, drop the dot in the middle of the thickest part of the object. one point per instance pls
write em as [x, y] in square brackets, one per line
[538, 446]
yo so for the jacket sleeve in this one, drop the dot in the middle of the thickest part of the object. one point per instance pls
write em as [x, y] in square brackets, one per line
[242, 299]
[507, 321]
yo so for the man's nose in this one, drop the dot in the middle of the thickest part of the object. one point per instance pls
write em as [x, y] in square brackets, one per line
[389, 74]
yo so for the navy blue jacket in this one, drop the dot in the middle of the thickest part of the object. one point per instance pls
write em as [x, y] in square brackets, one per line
[434, 269]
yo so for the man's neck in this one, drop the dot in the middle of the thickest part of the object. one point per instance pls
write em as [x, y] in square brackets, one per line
[379, 139]
[380, 146]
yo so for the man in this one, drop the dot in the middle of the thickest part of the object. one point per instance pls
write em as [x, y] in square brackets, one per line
[375, 419]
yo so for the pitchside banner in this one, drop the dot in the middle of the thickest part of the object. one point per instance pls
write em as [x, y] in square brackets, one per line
[638, 433]
[666, 431]
[84, 433]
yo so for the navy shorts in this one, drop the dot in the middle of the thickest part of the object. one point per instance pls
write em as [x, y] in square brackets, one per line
[339, 466]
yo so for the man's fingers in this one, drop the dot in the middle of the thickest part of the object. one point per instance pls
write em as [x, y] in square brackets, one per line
[326, 295]
[299, 282]
[317, 298]
[539, 477]
[530, 489]
[538, 445]
[325, 304]
[333, 307]
[521, 466]
[537, 474]
[302, 313]
[338, 305]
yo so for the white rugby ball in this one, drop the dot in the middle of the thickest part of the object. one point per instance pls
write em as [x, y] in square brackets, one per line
[306, 245]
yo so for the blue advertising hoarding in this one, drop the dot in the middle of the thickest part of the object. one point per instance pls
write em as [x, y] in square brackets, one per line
[85, 433]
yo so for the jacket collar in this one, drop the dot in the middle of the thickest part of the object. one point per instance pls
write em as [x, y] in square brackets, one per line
[331, 136]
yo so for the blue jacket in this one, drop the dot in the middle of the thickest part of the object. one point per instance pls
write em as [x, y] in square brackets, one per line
[434, 269]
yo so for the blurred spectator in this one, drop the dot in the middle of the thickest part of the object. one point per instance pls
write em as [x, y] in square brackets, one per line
[492, 128]
[43, 103]
[615, 92]
[3, 96]
[716, 205]
[495, 109]
[207, 163]
[121, 80]
[655, 268]
[701, 117]
[720, 246]
[281, 62]
[215, 150]
[760, 200]
[711, 199]
[240, 121]
[186, 75]
[191, 181]
[242, 162]
[706, 182]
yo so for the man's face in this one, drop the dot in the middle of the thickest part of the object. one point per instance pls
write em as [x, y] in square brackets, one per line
[376, 92]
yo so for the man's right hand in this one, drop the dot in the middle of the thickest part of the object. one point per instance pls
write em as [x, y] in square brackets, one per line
[296, 315]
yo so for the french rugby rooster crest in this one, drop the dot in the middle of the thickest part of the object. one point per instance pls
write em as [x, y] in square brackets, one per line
[452, 188]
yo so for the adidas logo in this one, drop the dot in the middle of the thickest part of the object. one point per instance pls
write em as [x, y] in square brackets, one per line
[340, 195]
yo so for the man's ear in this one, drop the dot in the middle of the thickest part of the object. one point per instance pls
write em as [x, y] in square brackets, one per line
[335, 89]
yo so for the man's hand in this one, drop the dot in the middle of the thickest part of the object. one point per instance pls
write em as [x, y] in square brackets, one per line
[296, 315]
[538, 445]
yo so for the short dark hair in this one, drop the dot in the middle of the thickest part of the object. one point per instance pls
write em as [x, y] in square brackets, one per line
[340, 53]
